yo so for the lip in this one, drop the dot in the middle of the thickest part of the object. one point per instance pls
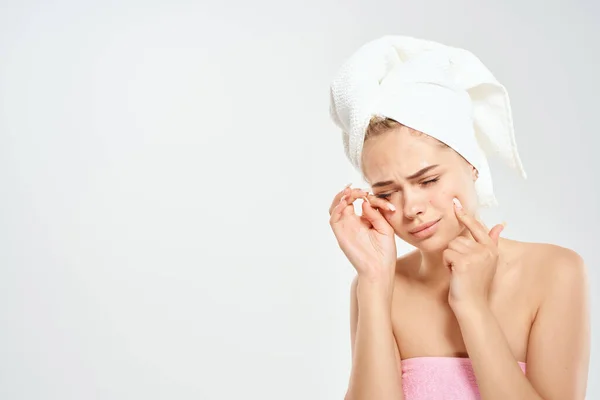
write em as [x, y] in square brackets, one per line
[425, 229]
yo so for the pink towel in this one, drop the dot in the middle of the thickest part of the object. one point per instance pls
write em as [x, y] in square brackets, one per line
[440, 378]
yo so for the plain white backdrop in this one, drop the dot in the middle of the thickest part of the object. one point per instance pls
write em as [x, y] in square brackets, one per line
[166, 168]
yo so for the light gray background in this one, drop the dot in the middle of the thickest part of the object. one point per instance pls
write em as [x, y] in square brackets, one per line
[167, 166]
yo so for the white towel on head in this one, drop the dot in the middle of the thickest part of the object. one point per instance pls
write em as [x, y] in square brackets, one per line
[442, 91]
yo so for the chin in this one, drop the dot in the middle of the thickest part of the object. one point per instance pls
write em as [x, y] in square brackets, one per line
[435, 243]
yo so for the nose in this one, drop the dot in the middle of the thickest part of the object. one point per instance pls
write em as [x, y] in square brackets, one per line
[414, 205]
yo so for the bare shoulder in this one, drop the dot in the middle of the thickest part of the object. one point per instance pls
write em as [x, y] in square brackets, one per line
[555, 257]
[567, 268]
[551, 264]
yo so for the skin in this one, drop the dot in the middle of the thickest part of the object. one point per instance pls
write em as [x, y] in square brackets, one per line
[464, 292]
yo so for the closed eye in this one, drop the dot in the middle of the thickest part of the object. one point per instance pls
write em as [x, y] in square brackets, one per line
[429, 182]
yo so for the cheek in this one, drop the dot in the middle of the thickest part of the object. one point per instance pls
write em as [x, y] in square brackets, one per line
[442, 198]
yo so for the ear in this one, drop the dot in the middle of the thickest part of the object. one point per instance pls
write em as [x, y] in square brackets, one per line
[474, 173]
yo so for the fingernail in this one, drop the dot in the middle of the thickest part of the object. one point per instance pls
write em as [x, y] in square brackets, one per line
[457, 203]
[504, 224]
[343, 198]
[348, 185]
[391, 207]
[365, 198]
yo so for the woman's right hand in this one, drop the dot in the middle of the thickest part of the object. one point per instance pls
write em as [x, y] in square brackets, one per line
[367, 241]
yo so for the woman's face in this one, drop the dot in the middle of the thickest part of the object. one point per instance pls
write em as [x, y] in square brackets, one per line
[420, 177]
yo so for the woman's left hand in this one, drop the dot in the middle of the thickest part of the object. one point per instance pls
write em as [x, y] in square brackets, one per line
[472, 262]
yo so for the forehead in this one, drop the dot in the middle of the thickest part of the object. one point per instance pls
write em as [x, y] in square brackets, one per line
[401, 152]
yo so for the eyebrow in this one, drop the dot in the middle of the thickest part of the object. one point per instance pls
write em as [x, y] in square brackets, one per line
[413, 176]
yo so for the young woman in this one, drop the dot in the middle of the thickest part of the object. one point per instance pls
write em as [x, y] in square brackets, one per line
[469, 314]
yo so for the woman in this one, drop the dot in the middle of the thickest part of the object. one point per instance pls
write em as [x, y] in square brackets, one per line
[468, 314]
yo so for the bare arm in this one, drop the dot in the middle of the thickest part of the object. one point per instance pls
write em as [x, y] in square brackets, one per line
[558, 349]
[375, 357]
[559, 343]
